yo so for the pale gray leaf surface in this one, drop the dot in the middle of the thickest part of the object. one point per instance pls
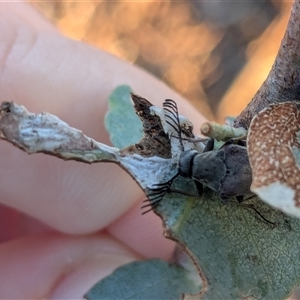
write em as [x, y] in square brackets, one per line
[238, 253]
[124, 126]
[152, 279]
[46, 133]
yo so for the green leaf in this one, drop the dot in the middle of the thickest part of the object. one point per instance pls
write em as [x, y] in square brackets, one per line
[152, 279]
[239, 253]
[124, 126]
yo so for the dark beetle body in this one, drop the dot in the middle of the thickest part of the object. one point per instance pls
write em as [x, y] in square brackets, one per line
[227, 171]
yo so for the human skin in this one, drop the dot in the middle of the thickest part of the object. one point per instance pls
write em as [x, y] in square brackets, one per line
[66, 225]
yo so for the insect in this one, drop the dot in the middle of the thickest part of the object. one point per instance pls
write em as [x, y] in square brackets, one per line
[226, 171]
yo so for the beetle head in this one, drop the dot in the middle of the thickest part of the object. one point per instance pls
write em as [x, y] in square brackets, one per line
[186, 162]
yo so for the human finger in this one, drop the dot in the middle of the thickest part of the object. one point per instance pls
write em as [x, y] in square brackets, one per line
[45, 265]
[48, 72]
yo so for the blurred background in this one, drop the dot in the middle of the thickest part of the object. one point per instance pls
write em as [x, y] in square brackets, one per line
[216, 53]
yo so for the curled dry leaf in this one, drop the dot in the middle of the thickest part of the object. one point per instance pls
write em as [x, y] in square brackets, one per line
[146, 161]
[273, 148]
[48, 134]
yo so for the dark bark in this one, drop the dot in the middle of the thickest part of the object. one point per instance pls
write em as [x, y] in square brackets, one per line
[283, 81]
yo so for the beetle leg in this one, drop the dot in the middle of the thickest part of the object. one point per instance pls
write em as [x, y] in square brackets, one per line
[251, 206]
[241, 198]
[209, 146]
[199, 187]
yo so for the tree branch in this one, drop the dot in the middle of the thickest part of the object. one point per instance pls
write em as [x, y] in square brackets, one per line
[283, 81]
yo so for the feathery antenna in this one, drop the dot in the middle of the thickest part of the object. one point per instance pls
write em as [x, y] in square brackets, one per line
[171, 107]
[157, 194]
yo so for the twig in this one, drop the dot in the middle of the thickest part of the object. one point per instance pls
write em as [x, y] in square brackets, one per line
[222, 132]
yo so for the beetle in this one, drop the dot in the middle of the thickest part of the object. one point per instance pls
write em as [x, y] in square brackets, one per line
[226, 170]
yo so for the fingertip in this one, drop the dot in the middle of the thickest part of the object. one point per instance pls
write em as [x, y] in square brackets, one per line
[76, 284]
[143, 233]
[36, 264]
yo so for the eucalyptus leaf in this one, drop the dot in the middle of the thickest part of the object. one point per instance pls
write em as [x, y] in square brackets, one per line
[124, 126]
[152, 279]
[239, 253]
